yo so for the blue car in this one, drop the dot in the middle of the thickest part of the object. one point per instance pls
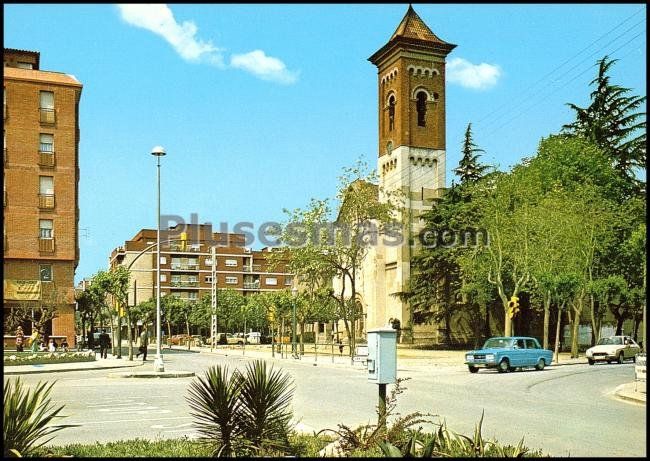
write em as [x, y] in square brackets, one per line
[509, 353]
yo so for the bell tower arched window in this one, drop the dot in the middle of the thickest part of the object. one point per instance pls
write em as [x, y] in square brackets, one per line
[391, 113]
[421, 106]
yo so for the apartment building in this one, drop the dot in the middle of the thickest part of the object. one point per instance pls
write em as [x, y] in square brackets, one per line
[41, 175]
[186, 267]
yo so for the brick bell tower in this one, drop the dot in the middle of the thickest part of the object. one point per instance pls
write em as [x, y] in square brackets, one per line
[411, 109]
[411, 83]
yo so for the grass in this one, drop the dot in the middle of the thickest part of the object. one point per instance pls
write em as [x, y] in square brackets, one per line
[303, 445]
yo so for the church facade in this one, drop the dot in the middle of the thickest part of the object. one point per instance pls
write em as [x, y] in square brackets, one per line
[411, 161]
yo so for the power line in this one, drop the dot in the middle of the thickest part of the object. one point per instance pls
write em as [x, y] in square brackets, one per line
[568, 60]
[563, 86]
[493, 120]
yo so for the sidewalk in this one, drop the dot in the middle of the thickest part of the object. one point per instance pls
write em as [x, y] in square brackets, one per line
[626, 392]
[98, 364]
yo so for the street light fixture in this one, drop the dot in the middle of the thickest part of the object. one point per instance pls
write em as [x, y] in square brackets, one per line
[158, 364]
[294, 349]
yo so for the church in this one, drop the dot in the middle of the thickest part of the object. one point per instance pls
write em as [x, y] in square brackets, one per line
[411, 160]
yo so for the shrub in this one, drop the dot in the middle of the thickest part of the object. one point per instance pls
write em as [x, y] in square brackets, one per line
[26, 418]
[243, 412]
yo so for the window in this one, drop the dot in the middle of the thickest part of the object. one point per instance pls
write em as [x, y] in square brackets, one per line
[192, 262]
[231, 262]
[192, 295]
[391, 113]
[163, 260]
[520, 344]
[271, 281]
[47, 143]
[163, 277]
[46, 272]
[208, 261]
[47, 107]
[46, 184]
[46, 228]
[193, 279]
[421, 106]
[531, 344]
[208, 279]
[231, 280]
[288, 280]
[47, 100]
[176, 279]
[24, 65]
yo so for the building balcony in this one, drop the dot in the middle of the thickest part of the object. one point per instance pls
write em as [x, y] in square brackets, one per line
[184, 284]
[46, 159]
[46, 245]
[185, 267]
[257, 268]
[252, 285]
[246, 269]
[47, 116]
[46, 201]
[177, 246]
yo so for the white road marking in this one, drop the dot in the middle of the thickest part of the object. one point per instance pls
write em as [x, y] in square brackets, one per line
[85, 423]
[116, 404]
[162, 426]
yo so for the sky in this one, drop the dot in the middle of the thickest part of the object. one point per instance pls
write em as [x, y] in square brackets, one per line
[260, 107]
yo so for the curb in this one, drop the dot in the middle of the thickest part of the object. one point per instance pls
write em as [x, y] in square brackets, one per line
[619, 395]
[61, 370]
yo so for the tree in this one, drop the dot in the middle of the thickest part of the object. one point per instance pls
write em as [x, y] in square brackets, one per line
[469, 169]
[116, 284]
[90, 304]
[38, 314]
[612, 122]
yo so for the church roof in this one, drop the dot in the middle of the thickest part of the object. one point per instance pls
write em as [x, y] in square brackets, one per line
[412, 32]
[412, 26]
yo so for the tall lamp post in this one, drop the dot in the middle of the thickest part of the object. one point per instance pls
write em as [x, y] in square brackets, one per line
[158, 364]
[294, 349]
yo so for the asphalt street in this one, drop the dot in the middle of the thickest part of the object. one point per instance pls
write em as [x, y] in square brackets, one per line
[566, 410]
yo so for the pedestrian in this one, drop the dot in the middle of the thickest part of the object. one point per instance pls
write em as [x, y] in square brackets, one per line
[144, 342]
[64, 345]
[51, 346]
[104, 343]
[20, 339]
[340, 343]
[34, 341]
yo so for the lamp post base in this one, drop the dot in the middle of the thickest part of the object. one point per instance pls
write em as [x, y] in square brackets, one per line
[158, 365]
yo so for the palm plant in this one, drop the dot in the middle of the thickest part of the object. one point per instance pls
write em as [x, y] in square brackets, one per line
[266, 398]
[244, 410]
[216, 405]
[27, 417]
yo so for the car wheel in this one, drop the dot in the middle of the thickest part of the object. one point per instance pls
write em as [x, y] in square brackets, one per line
[620, 358]
[540, 365]
[472, 369]
[240, 343]
[591, 361]
[634, 358]
[504, 366]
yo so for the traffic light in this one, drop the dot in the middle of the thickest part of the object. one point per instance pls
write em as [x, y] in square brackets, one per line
[513, 306]
[183, 241]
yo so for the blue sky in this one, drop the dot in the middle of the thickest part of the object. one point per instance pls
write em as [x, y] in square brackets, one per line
[260, 106]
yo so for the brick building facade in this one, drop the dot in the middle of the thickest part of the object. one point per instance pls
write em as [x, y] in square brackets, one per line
[41, 175]
[186, 268]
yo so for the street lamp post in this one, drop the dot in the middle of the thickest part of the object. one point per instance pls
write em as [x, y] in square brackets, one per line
[294, 349]
[158, 364]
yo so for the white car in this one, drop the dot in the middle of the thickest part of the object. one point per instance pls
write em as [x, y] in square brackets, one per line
[613, 349]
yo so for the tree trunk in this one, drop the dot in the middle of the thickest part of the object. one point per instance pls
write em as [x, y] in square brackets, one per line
[488, 330]
[557, 333]
[547, 318]
[619, 323]
[577, 309]
[189, 337]
[302, 334]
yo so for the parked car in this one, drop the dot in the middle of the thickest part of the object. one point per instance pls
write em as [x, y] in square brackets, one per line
[234, 339]
[613, 348]
[198, 340]
[179, 340]
[508, 354]
[254, 337]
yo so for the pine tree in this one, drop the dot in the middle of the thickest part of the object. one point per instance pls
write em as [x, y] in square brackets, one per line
[469, 168]
[612, 123]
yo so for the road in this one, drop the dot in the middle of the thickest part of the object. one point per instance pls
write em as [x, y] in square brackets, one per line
[564, 410]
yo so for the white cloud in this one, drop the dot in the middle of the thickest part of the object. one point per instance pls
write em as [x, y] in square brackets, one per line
[477, 76]
[159, 19]
[263, 66]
